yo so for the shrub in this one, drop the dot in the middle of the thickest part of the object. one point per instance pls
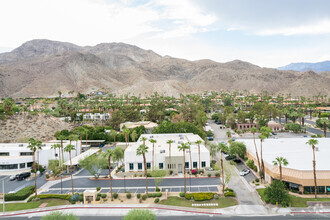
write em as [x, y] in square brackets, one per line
[276, 192]
[98, 188]
[230, 194]
[217, 174]
[157, 189]
[148, 174]
[51, 196]
[138, 195]
[199, 196]
[98, 198]
[144, 197]
[171, 172]
[103, 195]
[59, 215]
[233, 163]
[20, 195]
[153, 195]
[38, 167]
[140, 214]
[193, 172]
[128, 195]
[81, 198]
[250, 163]
[209, 175]
[105, 200]
[257, 180]
[229, 190]
[47, 176]
[181, 194]
[156, 200]
[74, 198]
[99, 194]
[115, 195]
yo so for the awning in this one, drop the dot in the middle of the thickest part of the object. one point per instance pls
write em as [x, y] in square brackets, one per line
[75, 160]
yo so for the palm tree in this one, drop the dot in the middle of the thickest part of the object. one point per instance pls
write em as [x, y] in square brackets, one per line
[280, 161]
[126, 133]
[183, 148]
[133, 135]
[108, 154]
[265, 133]
[114, 134]
[153, 141]
[199, 153]
[142, 150]
[313, 142]
[213, 148]
[222, 147]
[62, 137]
[55, 146]
[228, 133]
[69, 148]
[144, 139]
[169, 142]
[34, 145]
[253, 131]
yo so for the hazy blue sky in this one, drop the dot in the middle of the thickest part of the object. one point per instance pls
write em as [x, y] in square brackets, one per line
[268, 33]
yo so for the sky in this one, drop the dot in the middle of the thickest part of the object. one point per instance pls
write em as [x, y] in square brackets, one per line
[267, 33]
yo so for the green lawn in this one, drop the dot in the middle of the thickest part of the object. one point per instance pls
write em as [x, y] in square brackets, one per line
[223, 202]
[295, 200]
[32, 205]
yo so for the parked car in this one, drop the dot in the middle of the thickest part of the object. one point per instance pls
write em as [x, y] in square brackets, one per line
[273, 133]
[244, 172]
[236, 160]
[210, 138]
[23, 176]
[228, 157]
[218, 122]
[12, 177]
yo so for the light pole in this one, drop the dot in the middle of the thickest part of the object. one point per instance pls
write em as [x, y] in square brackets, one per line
[124, 183]
[61, 183]
[3, 195]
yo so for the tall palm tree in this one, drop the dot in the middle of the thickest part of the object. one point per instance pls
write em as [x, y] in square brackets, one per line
[199, 153]
[153, 141]
[62, 137]
[76, 139]
[144, 139]
[114, 134]
[265, 133]
[142, 150]
[108, 154]
[313, 142]
[222, 147]
[55, 146]
[253, 131]
[169, 142]
[133, 135]
[69, 148]
[183, 147]
[213, 149]
[34, 145]
[280, 161]
[126, 133]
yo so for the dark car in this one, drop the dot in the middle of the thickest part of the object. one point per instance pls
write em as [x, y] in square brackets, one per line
[228, 157]
[23, 176]
[236, 160]
[218, 122]
[210, 138]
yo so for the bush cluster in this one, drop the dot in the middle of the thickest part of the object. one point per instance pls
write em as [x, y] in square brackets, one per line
[128, 195]
[181, 194]
[153, 195]
[230, 194]
[103, 195]
[156, 200]
[199, 196]
[115, 195]
[20, 195]
[144, 197]
[51, 196]
[138, 195]
[98, 188]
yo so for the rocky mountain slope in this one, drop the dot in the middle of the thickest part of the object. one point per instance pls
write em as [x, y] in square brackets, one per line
[316, 67]
[43, 67]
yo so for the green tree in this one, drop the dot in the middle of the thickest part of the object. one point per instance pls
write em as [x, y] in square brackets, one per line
[94, 164]
[253, 131]
[108, 154]
[142, 150]
[59, 216]
[153, 141]
[69, 148]
[183, 147]
[237, 148]
[169, 142]
[312, 143]
[222, 147]
[276, 193]
[198, 142]
[34, 145]
[265, 133]
[280, 161]
[140, 214]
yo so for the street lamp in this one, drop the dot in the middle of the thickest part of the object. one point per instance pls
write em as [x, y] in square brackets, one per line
[124, 183]
[61, 183]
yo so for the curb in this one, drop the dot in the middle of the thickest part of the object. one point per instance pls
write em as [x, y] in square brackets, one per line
[151, 178]
[103, 207]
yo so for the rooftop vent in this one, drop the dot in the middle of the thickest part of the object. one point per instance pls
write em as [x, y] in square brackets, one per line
[20, 145]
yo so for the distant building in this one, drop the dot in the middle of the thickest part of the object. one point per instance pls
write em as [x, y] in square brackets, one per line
[247, 126]
[162, 159]
[149, 126]
[95, 116]
[275, 126]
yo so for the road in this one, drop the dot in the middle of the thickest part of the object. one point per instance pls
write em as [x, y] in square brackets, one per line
[14, 186]
[310, 129]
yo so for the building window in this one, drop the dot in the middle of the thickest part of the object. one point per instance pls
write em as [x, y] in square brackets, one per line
[26, 153]
[22, 165]
[328, 189]
[29, 164]
[194, 164]
[148, 165]
[161, 166]
[4, 153]
[131, 166]
[139, 166]
[203, 164]
[8, 166]
[186, 165]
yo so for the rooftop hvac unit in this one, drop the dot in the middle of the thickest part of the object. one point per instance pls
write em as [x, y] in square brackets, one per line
[20, 145]
[43, 145]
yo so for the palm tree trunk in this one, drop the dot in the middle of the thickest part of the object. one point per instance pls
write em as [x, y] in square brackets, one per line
[80, 143]
[62, 152]
[255, 146]
[314, 172]
[184, 170]
[145, 172]
[199, 157]
[153, 156]
[262, 163]
[281, 172]
[71, 171]
[110, 177]
[35, 173]
[170, 157]
[223, 174]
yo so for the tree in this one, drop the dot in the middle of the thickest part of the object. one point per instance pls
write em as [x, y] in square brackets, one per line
[140, 214]
[142, 150]
[153, 141]
[59, 215]
[237, 149]
[126, 133]
[55, 146]
[118, 154]
[114, 134]
[108, 154]
[183, 147]
[276, 193]
[68, 148]
[198, 142]
[34, 145]
[265, 133]
[133, 135]
[222, 147]
[94, 164]
[280, 161]
[313, 142]
[169, 142]
[253, 131]
[213, 149]
[144, 139]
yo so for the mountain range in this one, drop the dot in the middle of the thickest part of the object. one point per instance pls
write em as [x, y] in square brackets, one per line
[316, 67]
[43, 67]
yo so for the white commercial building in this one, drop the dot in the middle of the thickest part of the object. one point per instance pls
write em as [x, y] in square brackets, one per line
[16, 157]
[162, 159]
[148, 125]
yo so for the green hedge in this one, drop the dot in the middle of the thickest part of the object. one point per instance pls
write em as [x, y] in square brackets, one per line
[199, 196]
[20, 195]
[230, 194]
[51, 196]
[153, 195]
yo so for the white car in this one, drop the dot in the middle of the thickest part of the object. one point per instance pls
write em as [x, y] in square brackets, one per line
[12, 177]
[244, 172]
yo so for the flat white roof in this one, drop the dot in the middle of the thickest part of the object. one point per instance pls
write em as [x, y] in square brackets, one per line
[295, 150]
